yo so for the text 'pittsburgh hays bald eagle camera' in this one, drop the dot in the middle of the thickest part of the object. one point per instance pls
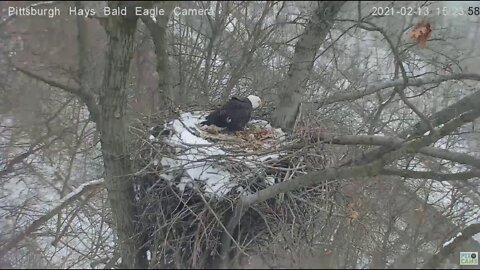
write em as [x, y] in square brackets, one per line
[235, 114]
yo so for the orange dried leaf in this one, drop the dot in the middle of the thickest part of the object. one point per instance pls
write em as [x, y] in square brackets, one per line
[264, 134]
[420, 33]
[352, 213]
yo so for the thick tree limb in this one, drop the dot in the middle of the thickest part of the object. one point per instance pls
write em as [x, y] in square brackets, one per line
[70, 89]
[71, 197]
[310, 180]
[371, 169]
[431, 175]
[449, 248]
[299, 182]
[32, 149]
[450, 155]
[414, 145]
[467, 103]
[85, 94]
[461, 158]
[158, 32]
[292, 90]
[396, 83]
[356, 139]
[18, 159]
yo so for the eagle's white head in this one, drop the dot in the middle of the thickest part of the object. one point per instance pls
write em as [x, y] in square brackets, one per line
[256, 101]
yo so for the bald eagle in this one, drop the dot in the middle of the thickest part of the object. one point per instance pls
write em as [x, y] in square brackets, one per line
[235, 114]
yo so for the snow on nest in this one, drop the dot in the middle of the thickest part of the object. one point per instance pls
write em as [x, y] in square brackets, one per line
[204, 156]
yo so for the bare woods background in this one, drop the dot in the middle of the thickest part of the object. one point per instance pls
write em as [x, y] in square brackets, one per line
[383, 163]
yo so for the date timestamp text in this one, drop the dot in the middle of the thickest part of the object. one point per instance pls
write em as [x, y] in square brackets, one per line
[425, 11]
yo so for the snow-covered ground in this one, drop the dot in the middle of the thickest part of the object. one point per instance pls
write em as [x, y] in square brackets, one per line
[34, 188]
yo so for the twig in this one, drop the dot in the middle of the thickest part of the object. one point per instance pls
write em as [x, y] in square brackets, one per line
[84, 96]
[72, 196]
[448, 249]
[218, 219]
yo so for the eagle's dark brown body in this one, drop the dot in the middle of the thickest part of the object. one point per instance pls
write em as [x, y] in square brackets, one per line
[234, 115]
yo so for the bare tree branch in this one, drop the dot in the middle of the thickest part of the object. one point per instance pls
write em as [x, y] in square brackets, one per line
[448, 249]
[84, 96]
[467, 103]
[461, 158]
[255, 39]
[290, 94]
[371, 169]
[450, 155]
[299, 182]
[18, 159]
[432, 175]
[158, 32]
[77, 193]
[399, 65]
[414, 145]
[396, 83]
[32, 149]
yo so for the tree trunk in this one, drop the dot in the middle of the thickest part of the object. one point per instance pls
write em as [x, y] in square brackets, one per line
[158, 31]
[113, 129]
[293, 88]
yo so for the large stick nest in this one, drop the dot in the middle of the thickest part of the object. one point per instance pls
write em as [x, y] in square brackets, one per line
[189, 179]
